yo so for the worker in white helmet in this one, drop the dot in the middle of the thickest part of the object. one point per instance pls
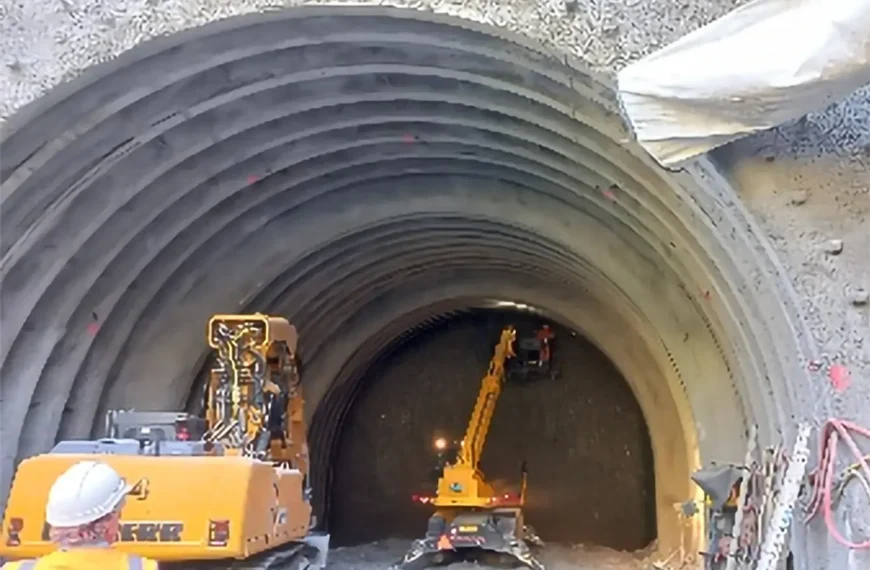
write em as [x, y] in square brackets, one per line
[84, 511]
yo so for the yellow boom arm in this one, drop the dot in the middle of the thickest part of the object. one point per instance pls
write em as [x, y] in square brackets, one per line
[484, 408]
[462, 484]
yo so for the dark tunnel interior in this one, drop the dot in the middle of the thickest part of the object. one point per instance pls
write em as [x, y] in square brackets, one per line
[582, 435]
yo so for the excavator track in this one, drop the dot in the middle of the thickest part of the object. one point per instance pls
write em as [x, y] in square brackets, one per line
[294, 556]
[308, 555]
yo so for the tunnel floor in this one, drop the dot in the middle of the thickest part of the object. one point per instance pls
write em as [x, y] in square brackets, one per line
[380, 555]
[582, 435]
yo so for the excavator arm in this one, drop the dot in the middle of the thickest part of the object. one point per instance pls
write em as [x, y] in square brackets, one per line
[254, 400]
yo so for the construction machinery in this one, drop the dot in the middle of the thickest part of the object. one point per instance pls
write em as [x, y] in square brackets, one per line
[471, 518]
[230, 491]
[534, 356]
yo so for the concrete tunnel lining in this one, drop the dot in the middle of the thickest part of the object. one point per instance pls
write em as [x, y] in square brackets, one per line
[122, 194]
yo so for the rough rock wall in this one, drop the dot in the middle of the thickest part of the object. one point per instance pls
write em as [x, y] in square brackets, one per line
[47, 42]
[808, 183]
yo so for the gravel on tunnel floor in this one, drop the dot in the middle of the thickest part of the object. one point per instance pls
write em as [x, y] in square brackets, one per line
[381, 554]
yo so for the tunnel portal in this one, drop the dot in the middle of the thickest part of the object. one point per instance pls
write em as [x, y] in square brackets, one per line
[363, 171]
[581, 433]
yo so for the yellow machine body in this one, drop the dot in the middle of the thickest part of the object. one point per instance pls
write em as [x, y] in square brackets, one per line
[175, 507]
[463, 486]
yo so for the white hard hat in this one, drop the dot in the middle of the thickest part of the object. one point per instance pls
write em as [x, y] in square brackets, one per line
[87, 491]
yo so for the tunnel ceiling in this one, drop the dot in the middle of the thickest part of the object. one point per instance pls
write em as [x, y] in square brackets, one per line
[361, 170]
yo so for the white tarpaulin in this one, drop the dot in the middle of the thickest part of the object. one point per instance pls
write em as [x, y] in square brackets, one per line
[764, 64]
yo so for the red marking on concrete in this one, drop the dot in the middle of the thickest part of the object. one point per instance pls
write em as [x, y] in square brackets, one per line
[409, 138]
[707, 295]
[840, 377]
[253, 178]
[609, 195]
[93, 329]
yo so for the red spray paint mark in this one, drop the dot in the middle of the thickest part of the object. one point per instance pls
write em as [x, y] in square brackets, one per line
[409, 138]
[253, 178]
[609, 195]
[707, 295]
[93, 329]
[840, 377]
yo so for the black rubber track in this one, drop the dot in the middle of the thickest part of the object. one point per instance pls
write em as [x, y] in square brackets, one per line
[360, 171]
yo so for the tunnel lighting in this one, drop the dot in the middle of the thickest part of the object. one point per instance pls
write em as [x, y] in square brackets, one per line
[440, 443]
[511, 305]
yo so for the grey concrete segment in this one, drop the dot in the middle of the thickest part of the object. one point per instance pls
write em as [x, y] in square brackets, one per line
[363, 171]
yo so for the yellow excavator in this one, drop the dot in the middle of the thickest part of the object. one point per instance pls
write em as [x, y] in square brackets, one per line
[227, 492]
[470, 517]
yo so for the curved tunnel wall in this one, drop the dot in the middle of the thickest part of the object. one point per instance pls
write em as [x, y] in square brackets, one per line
[360, 170]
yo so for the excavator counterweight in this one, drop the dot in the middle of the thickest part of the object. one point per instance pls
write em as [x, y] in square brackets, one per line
[226, 492]
[471, 519]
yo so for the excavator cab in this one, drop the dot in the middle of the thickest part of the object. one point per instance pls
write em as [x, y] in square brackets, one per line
[534, 356]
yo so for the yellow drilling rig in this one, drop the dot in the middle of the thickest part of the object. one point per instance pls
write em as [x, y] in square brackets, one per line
[470, 516]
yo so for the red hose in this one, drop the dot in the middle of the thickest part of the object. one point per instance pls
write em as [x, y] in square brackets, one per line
[829, 440]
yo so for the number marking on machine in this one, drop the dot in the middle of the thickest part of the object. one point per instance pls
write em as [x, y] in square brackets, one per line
[139, 490]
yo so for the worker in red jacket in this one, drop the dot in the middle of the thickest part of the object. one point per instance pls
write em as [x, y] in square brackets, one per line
[545, 336]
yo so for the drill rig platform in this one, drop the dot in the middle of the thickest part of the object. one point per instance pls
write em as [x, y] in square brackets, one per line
[227, 492]
[471, 519]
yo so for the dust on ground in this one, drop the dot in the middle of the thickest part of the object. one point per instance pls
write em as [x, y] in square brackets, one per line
[382, 554]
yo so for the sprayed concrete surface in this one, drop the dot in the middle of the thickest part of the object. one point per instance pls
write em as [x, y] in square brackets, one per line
[807, 185]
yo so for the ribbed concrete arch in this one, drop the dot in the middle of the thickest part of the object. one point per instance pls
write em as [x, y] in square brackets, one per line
[360, 170]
